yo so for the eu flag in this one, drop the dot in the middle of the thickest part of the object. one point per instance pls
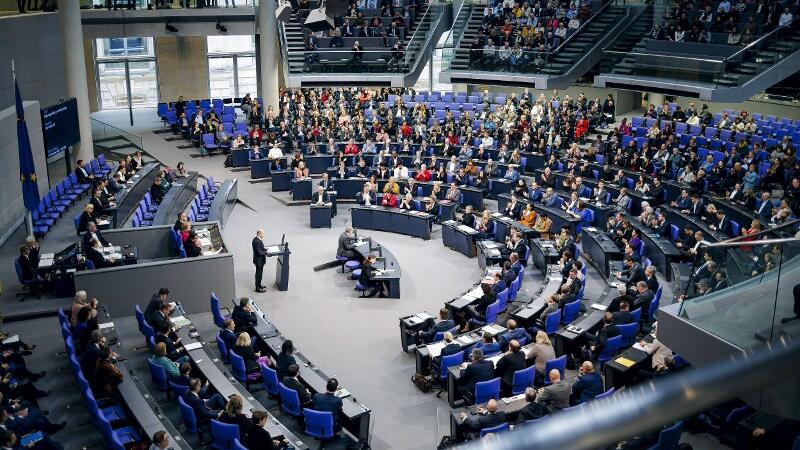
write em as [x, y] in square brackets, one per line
[27, 171]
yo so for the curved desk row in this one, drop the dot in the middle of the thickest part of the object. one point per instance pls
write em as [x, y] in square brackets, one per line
[560, 217]
[459, 237]
[356, 416]
[224, 201]
[394, 220]
[135, 189]
[180, 194]
[386, 262]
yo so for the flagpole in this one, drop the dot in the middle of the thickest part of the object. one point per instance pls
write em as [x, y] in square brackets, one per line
[28, 214]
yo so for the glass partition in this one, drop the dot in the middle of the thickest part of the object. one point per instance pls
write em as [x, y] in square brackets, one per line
[743, 290]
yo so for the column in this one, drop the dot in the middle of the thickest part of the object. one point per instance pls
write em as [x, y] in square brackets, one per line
[69, 13]
[655, 99]
[269, 61]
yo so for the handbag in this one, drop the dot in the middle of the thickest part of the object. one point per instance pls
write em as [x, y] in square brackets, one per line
[421, 382]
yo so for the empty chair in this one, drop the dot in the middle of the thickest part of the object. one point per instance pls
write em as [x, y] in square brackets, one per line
[669, 438]
[224, 434]
[290, 401]
[559, 363]
[610, 350]
[158, 375]
[523, 379]
[319, 424]
[447, 362]
[270, 380]
[215, 311]
[571, 311]
[628, 334]
[486, 390]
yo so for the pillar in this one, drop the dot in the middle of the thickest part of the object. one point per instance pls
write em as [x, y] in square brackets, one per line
[268, 58]
[655, 99]
[69, 13]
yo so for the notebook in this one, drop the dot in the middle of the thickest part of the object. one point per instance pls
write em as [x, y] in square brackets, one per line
[193, 346]
[624, 361]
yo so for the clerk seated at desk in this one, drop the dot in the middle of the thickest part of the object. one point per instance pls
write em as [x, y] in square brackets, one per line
[439, 325]
[368, 273]
[320, 197]
[28, 268]
[512, 361]
[93, 234]
[94, 253]
[477, 371]
[347, 245]
[488, 417]
[468, 218]
[328, 401]
[478, 309]
[100, 203]
[292, 382]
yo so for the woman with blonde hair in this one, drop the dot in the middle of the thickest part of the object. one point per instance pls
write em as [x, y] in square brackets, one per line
[234, 415]
[541, 352]
[252, 359]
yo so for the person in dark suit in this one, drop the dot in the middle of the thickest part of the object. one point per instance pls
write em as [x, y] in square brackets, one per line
[512, 361]
[451, 347]
[644, 296]
[532, 410]
[291, 382]
[485, 418]
[623, 316]
[440, 325]
[204, 410]
[320, 197]
[259, 259]
[328, 401]
[597, 342]
[632, 272]
[513, 334]
[95, 348]
[479, 370]
[97, 201]
[244, 317]
[514, 208]
[192, 246]
[468, 218]
[227, 333]
[650, 278]
[160, 320]
[27, 268]
[588, 386]
[94, 253]
[722, 224]
[478, 309]
[83, 175]
[285, 359]
[696, 208]
[367, 278]
[258, 438]
[162, 297]
[234, 415]
[88, 215]
[174, 352]
[92, 233]
[347, 246]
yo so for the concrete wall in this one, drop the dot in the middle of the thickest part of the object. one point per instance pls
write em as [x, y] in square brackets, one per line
[34, 43]
[182, 67]
[12, 210]
[91, 74]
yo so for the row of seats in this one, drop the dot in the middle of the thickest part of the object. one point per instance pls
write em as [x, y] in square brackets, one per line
[111, 419]
[60, 198]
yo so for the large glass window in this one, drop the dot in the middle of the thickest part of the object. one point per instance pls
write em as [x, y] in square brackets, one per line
[232, 66]
[123, 62]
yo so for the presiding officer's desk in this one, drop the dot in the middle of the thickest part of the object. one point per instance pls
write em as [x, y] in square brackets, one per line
[138, 398]
[356, 416]
[135, 188]
[454, 374]
[182, 191]
[459, 237]
[386, 262]
[600, 249]
[424, 353]
[394, 220]
[224, 383]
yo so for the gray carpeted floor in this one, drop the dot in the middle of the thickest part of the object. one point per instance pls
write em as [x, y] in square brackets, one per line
[355, 339]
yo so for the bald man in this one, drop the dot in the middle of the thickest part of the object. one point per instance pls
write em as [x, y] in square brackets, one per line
[259, 259]
[485, 418]
[555, 395]
[588, 386]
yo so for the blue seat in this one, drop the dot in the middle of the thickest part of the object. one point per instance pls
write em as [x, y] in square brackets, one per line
[651, 311]
[523, 379]
[551, 322]
[492, 311]
[224, 434]
[605, 394]
[486, 390]
[290, 401]
[117, 438]
[502, 299]
[178, 389]
[158, 375]
[238, 369]
[674, 232]
[30, 284]
[238, 445]
[559, 363]
[571, 311]
[628, 334]
[669, 438]
[215, 311]
[637, 315]
[270, 379]
[319, 424]
[189, 419]
[610, 350]
[361, 288]
[223, 349]
[499, 428]
[447, 362]
[736, 230]
[514, 288]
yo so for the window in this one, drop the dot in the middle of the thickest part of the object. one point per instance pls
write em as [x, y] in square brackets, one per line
[231, 66]
[124, 62]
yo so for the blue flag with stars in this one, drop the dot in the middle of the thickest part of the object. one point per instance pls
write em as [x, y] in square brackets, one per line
[27, 170]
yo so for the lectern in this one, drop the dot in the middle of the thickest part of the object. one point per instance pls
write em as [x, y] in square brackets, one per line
[281, 251]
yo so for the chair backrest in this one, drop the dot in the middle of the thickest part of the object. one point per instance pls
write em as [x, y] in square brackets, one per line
[449, 361]
[571, 311]
[651, 311]
[552, 321]
[559, 363]
[223, 434]
[502, 427]
[492, 311]
[178, 389]
[237, 365]
[158, 375]
[486, 390]
[270, 378]
[637, 315]
[611, 348]
[628, 333]
[290, 401]
[523, 379]
[502, 299]
[605, 394]
[223, 349]
[139, 316]
[319, 424]
[218, 318]
[515, 285]
[237, 445]
[669, 437]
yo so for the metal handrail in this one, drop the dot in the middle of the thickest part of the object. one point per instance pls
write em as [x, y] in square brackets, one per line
[737, 239]
[642, 408]
[752, 44]
[689, 58]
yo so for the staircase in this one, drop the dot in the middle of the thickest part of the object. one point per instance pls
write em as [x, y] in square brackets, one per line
[629, 41]
[755, 61]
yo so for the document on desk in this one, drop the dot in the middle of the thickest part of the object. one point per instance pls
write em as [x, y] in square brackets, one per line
[180, 321]
[592, 229]
[599, 307]
[103, 222]
[624, 361]
[508, 400]
[489, 244]
[424, 316]
[102, 326]
[639, 346]
[11, 340]
[435, 349]
[466, 229]
[193, 346]
[614, 284]
[497, 214]
[464, 340]
[273, 249]
[475, 293]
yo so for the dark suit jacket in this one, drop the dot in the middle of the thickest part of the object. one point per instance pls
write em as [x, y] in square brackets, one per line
[201, 411]
[282, 363]
[87, 237]
[603, 335]
[152, 308]
[643, 300]
[515, 211]
[437, 327]
[532, 411]
[159, 322]
[83, 222]
[476, 372]
[468, 220]
[450, 349]
[249, 357]
[296, 385]
[258, 439]
[587, 387]
[259, 252]
[623, 317]
[244, 423]
[228, 337]
[328, 402]
[28, 270]
[345, 243]
[509, 364]
[96, 258]
[724, 226]
[242, 319]
[696, 209]
[478, 422]
[192, 250]
[172, 349]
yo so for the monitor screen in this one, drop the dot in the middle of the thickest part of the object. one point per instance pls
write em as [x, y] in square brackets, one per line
[60, 126]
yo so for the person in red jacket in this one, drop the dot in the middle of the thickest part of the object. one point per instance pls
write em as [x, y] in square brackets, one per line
[581, 127]
[389, 199]
[351, 148]
[424, 174]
